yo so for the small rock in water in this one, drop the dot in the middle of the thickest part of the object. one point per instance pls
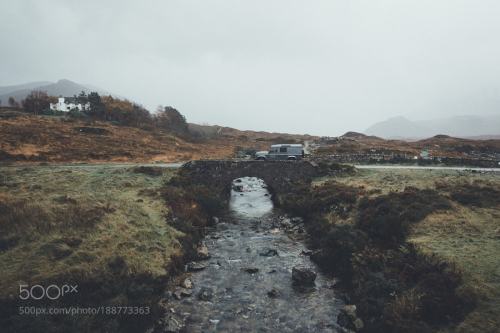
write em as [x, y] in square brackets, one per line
[238, 188]
[215, 219]
[251, 270]
[273, 293]
[268, 252]
[303, 276]
[195, 266]
[272, 271]
[187, 283]
[248, 250]
[206, 294]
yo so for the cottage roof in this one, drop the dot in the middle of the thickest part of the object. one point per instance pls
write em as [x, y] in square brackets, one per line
[75, 100]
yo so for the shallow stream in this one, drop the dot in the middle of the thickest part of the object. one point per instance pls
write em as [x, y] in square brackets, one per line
[247, 283]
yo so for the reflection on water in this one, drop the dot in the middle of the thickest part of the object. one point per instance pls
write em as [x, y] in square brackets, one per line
[247, 285]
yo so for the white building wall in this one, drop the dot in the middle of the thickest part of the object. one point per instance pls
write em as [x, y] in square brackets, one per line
[62, 106]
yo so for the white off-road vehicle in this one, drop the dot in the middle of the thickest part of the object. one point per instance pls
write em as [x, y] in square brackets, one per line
[282, 152]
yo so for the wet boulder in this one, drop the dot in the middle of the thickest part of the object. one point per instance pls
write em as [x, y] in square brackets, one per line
[303, 276]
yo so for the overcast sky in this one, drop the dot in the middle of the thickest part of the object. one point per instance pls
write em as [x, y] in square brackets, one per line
[318, 67]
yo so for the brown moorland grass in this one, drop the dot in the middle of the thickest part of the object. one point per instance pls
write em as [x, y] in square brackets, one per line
[27, 138]
[466, 235]
[91, 225]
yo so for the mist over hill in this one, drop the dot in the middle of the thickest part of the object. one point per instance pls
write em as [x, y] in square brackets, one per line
[457, 126]
[62, 87]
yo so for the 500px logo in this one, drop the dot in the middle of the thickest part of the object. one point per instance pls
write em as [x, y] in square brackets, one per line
[51, 292]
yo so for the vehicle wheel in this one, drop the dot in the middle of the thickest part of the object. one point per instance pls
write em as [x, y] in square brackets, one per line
[261, 158]
[292, 158]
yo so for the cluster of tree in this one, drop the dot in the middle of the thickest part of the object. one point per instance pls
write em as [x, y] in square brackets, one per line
[37, 102]
[130, 114]
[172, 120]
[120, 111]
[108, 108]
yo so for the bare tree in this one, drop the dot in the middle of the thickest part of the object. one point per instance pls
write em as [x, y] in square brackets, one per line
[37, 101]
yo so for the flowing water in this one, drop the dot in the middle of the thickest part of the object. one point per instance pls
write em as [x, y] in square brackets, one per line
[247, 284]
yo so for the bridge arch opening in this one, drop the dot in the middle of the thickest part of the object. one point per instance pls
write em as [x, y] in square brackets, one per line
[250, 198]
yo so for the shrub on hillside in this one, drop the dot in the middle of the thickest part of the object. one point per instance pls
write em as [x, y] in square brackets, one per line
[170, 119]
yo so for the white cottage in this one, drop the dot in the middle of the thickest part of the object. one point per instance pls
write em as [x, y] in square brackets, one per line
[70, 103]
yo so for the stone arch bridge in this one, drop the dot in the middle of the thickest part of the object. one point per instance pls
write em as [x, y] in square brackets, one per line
[280, 176]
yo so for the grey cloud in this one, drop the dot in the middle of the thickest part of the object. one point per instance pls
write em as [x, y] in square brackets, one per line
[321, 67]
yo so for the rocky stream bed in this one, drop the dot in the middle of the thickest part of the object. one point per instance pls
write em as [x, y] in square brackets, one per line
[254, 275]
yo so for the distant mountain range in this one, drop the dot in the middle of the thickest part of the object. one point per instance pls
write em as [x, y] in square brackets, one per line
[480, 127]
[63, 88]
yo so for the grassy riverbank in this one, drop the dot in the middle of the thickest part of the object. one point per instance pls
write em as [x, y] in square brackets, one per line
[467, 235]
[102, 227]
[419, 248]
